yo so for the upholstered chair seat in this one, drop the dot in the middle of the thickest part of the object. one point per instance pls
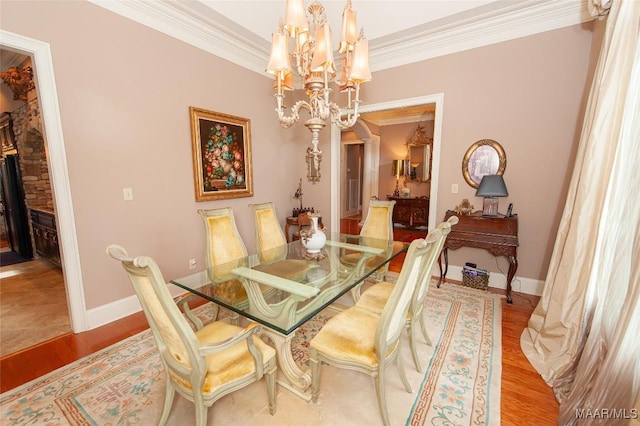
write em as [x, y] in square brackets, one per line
[201, 362]
[375, 297]
[232, 364]
[335, 340]
[361, 340]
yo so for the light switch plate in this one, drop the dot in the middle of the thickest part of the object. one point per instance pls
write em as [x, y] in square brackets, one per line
[454, 188]
[127, 193]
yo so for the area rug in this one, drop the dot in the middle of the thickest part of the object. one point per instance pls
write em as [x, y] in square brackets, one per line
[124, 384]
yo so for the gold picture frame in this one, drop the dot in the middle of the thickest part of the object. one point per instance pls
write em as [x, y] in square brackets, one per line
[221, 146]
[485, 157]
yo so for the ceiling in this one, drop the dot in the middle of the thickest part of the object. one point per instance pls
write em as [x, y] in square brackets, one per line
[399, 32]
[378, 18]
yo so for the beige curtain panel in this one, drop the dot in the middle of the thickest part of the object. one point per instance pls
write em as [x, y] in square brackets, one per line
[583, 337]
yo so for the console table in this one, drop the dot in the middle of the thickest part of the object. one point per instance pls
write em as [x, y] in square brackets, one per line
[411, 212]
[496, 234]
[291, 220]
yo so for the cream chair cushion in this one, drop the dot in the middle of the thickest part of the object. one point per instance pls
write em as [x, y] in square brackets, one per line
[336, 337]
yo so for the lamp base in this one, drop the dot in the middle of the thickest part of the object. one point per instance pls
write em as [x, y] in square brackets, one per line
[396, 193]
[490, 206]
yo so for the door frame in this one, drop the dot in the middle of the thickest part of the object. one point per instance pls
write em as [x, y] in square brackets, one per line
[42, 60]
[372, 156]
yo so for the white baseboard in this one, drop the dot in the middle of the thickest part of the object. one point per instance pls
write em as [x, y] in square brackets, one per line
[113, 311]
[498, 280]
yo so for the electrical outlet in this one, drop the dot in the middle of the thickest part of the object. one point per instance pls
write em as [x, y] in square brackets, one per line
[454, 188]
[192, 264]
[127, 193]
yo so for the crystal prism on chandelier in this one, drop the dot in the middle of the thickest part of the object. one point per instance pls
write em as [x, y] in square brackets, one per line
[314, 64]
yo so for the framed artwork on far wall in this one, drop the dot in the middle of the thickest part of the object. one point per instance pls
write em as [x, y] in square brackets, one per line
[221, 146]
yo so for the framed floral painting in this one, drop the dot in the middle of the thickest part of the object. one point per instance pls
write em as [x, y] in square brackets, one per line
[221, 145]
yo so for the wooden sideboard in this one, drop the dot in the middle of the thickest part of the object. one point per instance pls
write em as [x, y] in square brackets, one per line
[45, 235]
[411, 212]
[498, 235]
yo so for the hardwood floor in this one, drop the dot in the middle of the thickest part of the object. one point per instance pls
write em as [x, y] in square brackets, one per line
[526, 399]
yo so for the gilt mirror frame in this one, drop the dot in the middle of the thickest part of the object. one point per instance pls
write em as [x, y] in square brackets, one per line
[485, 157]
[419, 139]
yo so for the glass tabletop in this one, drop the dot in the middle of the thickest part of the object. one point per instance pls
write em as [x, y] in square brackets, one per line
[286, 286]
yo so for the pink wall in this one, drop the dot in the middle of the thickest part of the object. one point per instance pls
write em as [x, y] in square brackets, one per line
[124, 92]
[528, 94]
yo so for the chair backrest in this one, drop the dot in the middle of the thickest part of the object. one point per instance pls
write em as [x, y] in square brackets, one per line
[379, 220]
[394, 314]
[425, 278]
[176, 340]
[270, 239]
[223, 241]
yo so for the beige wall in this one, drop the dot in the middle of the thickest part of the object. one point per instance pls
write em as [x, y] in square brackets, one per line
[528, 94]
[124, 92]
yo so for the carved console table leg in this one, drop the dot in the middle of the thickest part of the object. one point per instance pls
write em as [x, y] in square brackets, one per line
[443, 273]
[513, 266]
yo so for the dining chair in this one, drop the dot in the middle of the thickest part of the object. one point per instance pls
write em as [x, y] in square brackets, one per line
[201, 363]
[271, 244]
[376, 296]
[358, 339]
[224, 250]
[377, 229]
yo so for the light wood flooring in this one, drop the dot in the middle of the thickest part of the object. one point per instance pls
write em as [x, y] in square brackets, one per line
[33, 305]
[526, 399]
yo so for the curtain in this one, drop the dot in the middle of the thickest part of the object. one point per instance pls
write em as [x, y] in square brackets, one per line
[583, 337]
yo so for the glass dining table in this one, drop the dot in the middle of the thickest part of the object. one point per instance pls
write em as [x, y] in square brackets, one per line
[284, 287]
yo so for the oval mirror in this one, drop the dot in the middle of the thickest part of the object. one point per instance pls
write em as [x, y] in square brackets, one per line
[485, 157]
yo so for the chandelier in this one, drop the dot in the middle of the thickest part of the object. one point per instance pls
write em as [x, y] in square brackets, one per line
[315, 67]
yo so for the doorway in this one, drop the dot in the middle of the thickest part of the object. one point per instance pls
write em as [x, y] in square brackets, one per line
[371, 160]
[42, 61]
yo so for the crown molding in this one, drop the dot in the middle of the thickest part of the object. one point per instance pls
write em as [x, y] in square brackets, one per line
[494, 23]
[197, 25]
[200, 26]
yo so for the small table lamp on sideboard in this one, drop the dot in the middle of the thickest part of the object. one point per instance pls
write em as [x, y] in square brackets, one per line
[397, 170]
[491, 187]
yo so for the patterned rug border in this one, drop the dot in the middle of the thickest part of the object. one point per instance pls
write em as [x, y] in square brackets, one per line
[491, 348]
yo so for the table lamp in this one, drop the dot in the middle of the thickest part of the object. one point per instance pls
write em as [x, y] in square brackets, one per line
[491, 187]
[397, 170]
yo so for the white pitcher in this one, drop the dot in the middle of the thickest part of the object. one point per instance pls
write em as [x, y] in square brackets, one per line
[313, 239]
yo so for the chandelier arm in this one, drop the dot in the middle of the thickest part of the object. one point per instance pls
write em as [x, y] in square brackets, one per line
[351, 117]
[294, 117]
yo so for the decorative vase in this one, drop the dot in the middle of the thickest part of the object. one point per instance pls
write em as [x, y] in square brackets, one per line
[314, 238]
